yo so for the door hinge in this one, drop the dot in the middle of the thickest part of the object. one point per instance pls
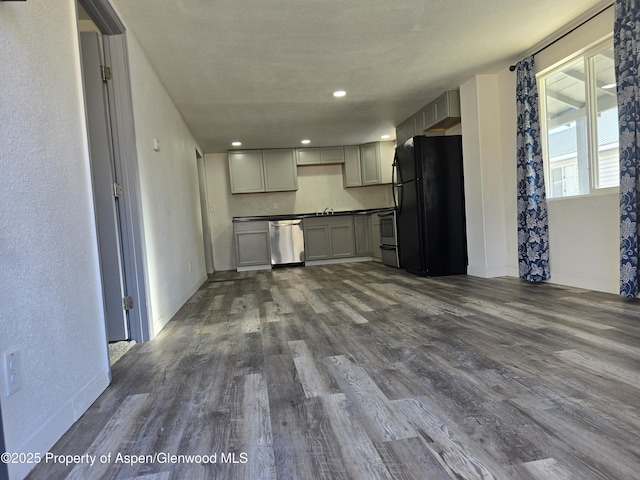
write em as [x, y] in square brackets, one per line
[106, 73]
[127, 303]
[118, 190]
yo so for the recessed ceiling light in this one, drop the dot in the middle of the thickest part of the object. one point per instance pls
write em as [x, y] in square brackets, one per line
[236, 144]
[385, 136]
[339, 93]
[305, 141]
[609, 86]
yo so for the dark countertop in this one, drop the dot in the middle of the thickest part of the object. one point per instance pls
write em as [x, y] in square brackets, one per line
[295, 216]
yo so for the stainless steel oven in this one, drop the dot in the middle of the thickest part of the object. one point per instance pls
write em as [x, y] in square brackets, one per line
[388, 238]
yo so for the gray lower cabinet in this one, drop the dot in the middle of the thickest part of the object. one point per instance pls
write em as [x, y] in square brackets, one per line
[328, 237]
[252, 244]
[316, 242]
[362, 229]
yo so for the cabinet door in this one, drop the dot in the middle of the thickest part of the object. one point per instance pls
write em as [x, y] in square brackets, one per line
[308, 156]
[370, 163]
[429, 115]
[401, 133]
[332, 155]
[252, 243]
[386, 154]
[351, 171]
[316, 242]
[341, 238]
[245, 171]
[441, 107]
[362, 230]
[280, 171]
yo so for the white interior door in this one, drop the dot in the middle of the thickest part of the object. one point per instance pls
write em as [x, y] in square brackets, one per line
[104, 188]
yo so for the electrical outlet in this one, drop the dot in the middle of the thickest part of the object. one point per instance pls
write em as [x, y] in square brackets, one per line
[338, 202]
[274, 206]
[11, 372]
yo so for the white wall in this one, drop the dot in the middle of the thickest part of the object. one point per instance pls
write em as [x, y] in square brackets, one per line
[51, 306]
[583, 231]
[319, 186]
[173, 244]
[486, 172]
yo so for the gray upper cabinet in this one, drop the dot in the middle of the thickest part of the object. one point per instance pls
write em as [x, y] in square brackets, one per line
[370, 164]
[437, 116]
[332, 155]
[407, 129]
[443, 112]
[351, 171]
[319, 156]
[252, 171]
[280, 172]
[245, 171]
[308, 156]
[375, 165]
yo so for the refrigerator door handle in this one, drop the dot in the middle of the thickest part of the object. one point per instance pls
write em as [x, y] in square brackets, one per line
[394, 165]
[396, 183]
[397, 197]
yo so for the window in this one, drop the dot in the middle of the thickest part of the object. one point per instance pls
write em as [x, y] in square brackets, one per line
[580, 124]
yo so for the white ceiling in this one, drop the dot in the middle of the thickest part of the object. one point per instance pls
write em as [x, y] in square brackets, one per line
[263, 72]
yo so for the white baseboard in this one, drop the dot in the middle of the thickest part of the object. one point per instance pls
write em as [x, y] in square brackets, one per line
[57, 425]
[162, 320]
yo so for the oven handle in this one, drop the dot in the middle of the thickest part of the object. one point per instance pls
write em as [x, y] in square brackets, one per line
[387, 247]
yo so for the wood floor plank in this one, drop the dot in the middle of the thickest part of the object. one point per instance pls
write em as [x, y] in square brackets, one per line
[358, 452]
[411, 459]
[373, 408]
[313, 377]
[358, 370]
[602, 367]
[112, 438]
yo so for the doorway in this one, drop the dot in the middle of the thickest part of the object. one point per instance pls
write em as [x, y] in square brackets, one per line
[204, 211]
[114, 170]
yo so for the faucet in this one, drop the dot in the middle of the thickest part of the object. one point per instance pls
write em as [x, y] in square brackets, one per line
[327, 211]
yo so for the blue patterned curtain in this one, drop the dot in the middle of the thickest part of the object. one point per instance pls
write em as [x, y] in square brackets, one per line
[627, 56]
[533, 227]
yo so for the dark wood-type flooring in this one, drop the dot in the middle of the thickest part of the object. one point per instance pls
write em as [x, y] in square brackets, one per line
[361, 371]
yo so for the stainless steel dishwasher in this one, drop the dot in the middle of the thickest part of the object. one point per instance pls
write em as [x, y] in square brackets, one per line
[287, 242]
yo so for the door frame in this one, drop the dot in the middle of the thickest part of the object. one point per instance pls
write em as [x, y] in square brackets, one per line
[204, 210]
[125, 159]
[4, 470]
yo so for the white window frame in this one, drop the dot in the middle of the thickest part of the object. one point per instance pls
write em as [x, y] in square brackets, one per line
[591, 113]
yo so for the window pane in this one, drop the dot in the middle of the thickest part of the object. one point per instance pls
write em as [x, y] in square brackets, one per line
[566, 115]
[607, 119]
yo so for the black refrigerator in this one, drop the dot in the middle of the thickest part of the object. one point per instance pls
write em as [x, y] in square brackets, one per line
[429, 195]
